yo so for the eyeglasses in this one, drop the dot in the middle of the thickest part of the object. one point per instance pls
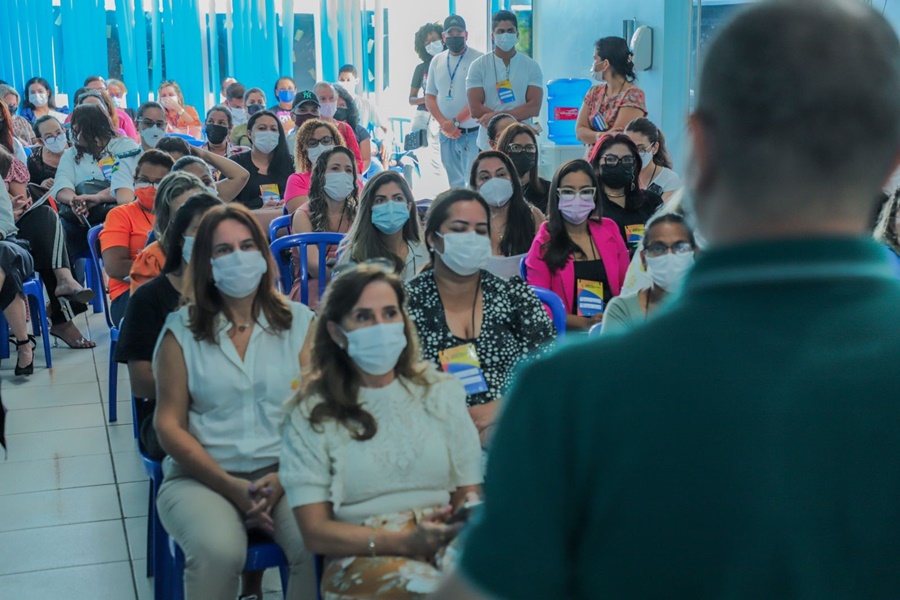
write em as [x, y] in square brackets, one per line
[611, 160]
[325, 141]
[659, 249]
[567, 193]
[645, 149]
[529, 148]
[143, 181]
[151, 123]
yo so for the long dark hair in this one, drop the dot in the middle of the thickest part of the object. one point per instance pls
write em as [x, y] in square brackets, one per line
[439, 212]
[318, 203]
[634, 195]
[281, 158]
[51, 99]
[335, 378]
[365, 241]
[506, 138]
[91, 131]
[615, 50]
[6, 128]
[352, 112]
[654, 135]
[520, 226]
[560, 246]
[421, 36]
[198, 204]
[203, 296]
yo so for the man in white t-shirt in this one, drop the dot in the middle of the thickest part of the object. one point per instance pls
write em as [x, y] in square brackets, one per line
[348, 78]
[447, 101]
[505, 80]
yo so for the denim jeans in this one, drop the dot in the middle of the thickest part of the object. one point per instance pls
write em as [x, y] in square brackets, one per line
[458, 156]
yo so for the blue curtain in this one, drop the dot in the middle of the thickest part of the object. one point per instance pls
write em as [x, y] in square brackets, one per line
[26, 41]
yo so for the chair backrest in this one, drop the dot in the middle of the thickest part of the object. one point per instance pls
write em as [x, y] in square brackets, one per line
[282, 222]
[151, 237]
[302, 241]
[556, 306]
[523, 270]
[189, 139]
[97, 264]
[595, 330]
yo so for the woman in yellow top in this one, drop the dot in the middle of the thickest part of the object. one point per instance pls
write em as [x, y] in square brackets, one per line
[180, 118]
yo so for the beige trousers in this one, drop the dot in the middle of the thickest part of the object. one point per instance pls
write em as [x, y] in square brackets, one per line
[210, 531]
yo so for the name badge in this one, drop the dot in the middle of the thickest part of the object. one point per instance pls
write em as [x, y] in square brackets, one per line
[107, 166]
[462, 362]
[505, 91]
[269, 192]
[599, 123]
[590, 298]
[634, 233]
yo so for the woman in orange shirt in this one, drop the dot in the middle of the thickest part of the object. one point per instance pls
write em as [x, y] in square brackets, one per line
[180, 117]
[126, 228]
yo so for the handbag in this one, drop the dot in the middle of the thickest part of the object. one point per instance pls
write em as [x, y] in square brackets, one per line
[97, 213]
[415, 140]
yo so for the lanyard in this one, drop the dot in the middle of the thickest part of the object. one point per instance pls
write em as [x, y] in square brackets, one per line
[453, 73]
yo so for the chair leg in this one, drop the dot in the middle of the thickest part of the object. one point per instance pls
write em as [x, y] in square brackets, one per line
[39, 314]
[4, 337]
[113, 383]
[90, 279]
[285, 573]
[151, 528]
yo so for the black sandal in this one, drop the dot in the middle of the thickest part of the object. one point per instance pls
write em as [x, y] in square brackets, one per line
[84, 295]
[29, 368]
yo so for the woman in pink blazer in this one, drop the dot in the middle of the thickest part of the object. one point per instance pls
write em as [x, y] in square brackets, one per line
[580, 259]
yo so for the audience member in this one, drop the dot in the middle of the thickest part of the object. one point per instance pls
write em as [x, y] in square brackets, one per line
[667, 255]
[8, 140]
[446, 100]
[519, 143]
[333, 200]
[119, 94]
[657, 175]
[285, 90]
[126, 228]
[313, 139]
[369, 117]
[306, 108]
[52, 141]
[20, 125]
[174, 146]
[217, 129]
[496, 126]
[580, 259]
[254, 102]
[505, 80]
[151, 124]
[347, 113]
[16, 265]
[234, 101]
[387, 227]
[616, 161]
[40, 101]
[203, 163]
[121, 119]
[467, 316]
[327, 98]
[407, 450]
[268, 163]
[180, 117]
[100, 98]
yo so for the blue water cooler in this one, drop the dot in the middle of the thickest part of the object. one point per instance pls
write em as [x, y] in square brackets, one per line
[564, 98]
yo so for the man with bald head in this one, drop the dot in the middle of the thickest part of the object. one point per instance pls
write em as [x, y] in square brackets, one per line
[745, 442]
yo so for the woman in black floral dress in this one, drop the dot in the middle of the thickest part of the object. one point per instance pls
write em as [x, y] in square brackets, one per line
[471, 323]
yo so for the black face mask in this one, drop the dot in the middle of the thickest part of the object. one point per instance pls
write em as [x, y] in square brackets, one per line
[13, 109]
[523, 161]
[216, 134]
[618, 177]
[254, 108]
[301, 119]
[341, 114]
[455, 44]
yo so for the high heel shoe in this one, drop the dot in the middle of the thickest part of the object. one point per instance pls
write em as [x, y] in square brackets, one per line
[29, 368]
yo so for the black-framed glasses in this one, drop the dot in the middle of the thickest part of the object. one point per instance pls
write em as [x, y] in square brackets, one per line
[529, 148]
[325, 141]
[146, 182]
[657, 249]
[611, 160]
[148, 123]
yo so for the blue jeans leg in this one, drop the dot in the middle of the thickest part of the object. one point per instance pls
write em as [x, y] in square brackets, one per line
[458, 156]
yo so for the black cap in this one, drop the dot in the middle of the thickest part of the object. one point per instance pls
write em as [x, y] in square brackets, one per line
[303, 97]
[454, 22]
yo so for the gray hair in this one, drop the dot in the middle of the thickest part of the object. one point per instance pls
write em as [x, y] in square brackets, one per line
[780, 114]
[6, 90]
[173, 185]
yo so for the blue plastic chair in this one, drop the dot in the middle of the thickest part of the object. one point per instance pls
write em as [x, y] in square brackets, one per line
[595, 330]
[557, 309]
[96, 264]
[301, 241]
[90, 280]
[34, 292]
[151, 237]
[190, 140]
[277, 224]
[523, 269]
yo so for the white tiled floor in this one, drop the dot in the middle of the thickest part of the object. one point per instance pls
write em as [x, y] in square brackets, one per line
[73, 494]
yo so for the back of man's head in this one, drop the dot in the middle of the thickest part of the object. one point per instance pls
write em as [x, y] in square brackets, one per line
[799, 101]
[235, 91]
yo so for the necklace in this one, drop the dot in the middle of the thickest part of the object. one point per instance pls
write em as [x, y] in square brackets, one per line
[615, 195]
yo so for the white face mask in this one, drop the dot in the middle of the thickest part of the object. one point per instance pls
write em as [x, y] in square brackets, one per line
[350, 86]
[668, 271]
[239, 115]
[152, 135]
[38, 99]
[57, 144]
[506, 41]
[265, 141]
[338, 186]
[465, 253]
[646, 158]
[327, 109]
[377, 348]
[496, 191]
[187, 249]
[237, 275]
[435, 47]
[120, 102]
[315, 153]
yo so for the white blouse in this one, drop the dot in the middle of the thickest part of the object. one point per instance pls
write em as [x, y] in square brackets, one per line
[117, 165]
[237, 407]
[426, 447]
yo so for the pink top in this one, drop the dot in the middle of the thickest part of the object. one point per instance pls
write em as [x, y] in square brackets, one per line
[610, 246]
[609, 106]
[350, 141]
[297, 185]
[18, 173]
[127, 125]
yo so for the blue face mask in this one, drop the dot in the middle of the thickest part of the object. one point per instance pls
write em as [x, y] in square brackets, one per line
[286, 95]
[390, 216]
[187, 249]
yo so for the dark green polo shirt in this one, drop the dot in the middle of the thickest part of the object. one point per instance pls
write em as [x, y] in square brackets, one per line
[745, 443]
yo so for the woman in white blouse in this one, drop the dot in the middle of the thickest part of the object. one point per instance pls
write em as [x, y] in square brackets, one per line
[225, 365]
[380, 451]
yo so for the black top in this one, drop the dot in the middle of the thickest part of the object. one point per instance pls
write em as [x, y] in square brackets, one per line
[362, 134]
[420, 78]
[534, 197]
[251, 196]
[145, 316]
[514, 325]
[628, 219]
[38, 170]
[593, 271]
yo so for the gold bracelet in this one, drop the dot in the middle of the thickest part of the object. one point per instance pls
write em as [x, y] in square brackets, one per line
[372, 544]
